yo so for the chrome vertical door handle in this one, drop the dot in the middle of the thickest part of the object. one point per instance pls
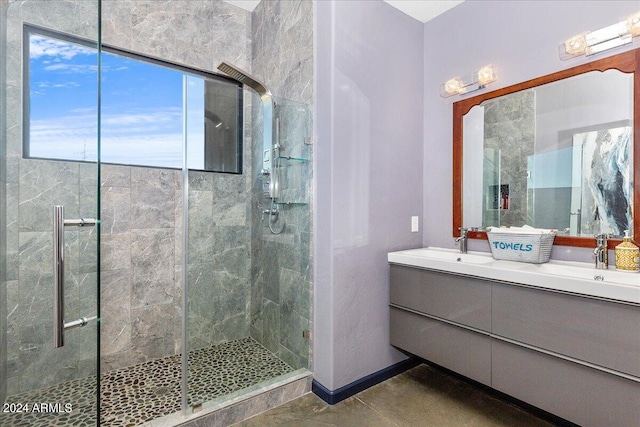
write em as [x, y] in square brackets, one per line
[58, 273]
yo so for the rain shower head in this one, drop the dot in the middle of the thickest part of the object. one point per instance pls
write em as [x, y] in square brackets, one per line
[246, 79]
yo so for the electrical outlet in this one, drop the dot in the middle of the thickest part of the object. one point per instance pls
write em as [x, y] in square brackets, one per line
[414, 224]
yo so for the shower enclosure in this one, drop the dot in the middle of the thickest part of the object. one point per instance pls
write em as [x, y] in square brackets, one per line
[177, 296]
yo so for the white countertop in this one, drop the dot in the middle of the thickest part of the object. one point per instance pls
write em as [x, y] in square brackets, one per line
[574, 277]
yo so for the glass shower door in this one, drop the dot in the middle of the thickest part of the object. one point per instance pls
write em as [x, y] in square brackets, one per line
[248, 270]
[49, 196]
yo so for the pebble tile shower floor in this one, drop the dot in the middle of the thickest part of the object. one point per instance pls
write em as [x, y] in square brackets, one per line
[140, 393]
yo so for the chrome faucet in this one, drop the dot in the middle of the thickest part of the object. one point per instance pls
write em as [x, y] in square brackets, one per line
[601, 252]
[462, 240]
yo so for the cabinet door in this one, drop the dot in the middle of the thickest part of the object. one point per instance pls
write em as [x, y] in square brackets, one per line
[458, 349]
[577, 393]
[459, 299]
[600, 332]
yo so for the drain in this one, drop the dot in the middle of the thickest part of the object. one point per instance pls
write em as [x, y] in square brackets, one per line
[161, 391]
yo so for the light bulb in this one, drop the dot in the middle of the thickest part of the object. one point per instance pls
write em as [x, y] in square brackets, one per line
[486, 75]
[576, 45]
[633, 24]
[454, 85]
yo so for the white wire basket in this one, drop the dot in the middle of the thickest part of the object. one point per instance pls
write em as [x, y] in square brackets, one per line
[522, 247]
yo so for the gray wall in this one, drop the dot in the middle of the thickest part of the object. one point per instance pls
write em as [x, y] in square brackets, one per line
[559, 198]
[521, 39]
[3, 208]
[142, 207]
[282, 46]
[559, 117]
[368, 178]
[219, 264]
[139, 297]
[281, 264]
[141, 262]
[33, 187]
[229, 247]
[509, 126]
[141, 248]
[197, 33]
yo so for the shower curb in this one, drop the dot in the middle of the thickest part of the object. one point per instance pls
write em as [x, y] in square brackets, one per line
[236, 409]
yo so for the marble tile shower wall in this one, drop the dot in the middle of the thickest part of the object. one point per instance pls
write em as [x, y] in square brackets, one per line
[199, 34]
[515, 138]
[196, 33]
[32, 187]
[282, 33]
[141, 268]
[258, 283]
[281, 274]
[3, 205]
[219, 259]
[140, 252]
[140, 299]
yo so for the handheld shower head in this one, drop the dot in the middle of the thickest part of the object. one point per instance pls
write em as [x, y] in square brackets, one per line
[246, 79]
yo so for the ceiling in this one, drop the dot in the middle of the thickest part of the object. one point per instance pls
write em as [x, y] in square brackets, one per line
[422, 10]
[244, 4]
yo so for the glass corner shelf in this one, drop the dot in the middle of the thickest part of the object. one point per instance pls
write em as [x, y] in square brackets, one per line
[291, 203]
[293, 176]
[293, 159]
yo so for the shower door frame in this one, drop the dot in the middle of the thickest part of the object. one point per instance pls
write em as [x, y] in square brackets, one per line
[48, 180]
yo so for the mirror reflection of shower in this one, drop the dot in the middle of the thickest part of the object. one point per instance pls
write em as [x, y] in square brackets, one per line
[271, 150]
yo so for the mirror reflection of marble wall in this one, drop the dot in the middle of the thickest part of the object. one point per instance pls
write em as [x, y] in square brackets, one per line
[509, 127]
[556, 156]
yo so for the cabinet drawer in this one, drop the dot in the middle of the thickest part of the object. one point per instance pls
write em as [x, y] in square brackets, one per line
[458, 349]
[600, 332]
[459, 299]
[580, 394]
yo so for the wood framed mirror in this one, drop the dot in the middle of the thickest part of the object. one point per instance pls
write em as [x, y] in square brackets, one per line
[558, 151]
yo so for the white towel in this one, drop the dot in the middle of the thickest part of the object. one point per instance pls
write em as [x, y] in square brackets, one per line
[525, 229]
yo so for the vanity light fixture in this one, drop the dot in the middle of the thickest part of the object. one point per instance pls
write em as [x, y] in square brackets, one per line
[590, 43]
[472, 82]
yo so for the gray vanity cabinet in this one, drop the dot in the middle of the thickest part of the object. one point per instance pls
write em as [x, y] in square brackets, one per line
[583, 395]
[458, 349]
[447, 296]
[600, 332]
[577, 357]
[433, 316]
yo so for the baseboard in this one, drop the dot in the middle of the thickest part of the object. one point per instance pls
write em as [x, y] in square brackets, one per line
[335, 396]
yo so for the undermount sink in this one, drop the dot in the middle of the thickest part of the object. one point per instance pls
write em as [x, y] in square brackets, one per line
[451, 255]
[582, 272]
[572, 277]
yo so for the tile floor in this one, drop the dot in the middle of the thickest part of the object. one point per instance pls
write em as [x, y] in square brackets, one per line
[419, 397]
[140, 393]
